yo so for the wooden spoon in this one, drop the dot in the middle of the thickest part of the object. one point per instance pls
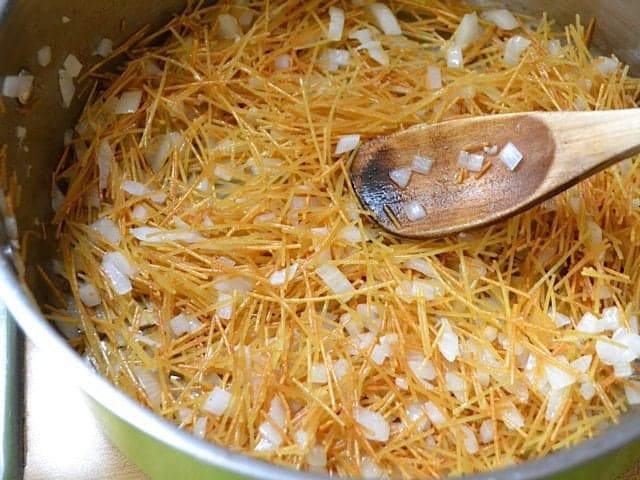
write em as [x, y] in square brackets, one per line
[559, 150]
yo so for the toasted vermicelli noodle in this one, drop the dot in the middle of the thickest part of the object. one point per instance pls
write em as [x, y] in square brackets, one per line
[225, 276]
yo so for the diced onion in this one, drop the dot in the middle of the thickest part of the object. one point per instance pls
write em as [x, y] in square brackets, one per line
[44, 56]
[139, 212]
[89, 295]
[369, 470]
[271, 436]
[606, 65]
[200, 427]
[159, 235]
[228, 27]
[183, 323]
[17, 86]
[412, 290]
[401, 383]
[456, 385]
[559, 378]
[280, 277]
[385, 19]
[234, 284]
[129, 102]
[555, 400]
[340, 367]
[632, 392]
[107, 228]
[104, 48]
[353, 234]
[151, 385]
[347, 143]
[316, 458]
[72, 65]
[336, 24]
[337, 58]
[455, 58]
[554, 47]
[560, 319]
[160, 149]
[470, 161]
[377, 53]
[469, 440]
[283, 62]
[217, 402]
[363, 36]
[414, 211]
[487, 431]
[224, 310]
[502, 18]
[57, 198]
[623, 348]
[422, 165]
[335, 280]
[318, 373]
[420, 366]
[448, 342]
[511, 416]
[118, 269]
[511, 156]
[435, 415]
[301, 437]
[416, 414]
[514, 49]
[582, 364]
[611, 317]
[491, 150]
[105, 159]
[376, 428]
[589, 323]
[467, 32]
[587, 391]
[67, 88]
[380, 353]
[401, 176]
[133, 188]
[434, 77]
[421, 265]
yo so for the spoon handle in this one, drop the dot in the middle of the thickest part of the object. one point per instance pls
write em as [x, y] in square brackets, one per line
[587, 142]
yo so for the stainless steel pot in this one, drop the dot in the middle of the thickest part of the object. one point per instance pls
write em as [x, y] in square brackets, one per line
[156, 446]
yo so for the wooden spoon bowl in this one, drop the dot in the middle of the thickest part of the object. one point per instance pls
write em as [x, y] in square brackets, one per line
[559, 149]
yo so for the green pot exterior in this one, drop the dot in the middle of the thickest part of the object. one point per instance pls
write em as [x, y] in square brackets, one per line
[161, 461]
[156, 458]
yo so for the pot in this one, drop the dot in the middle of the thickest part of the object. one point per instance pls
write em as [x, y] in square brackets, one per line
[158, 447]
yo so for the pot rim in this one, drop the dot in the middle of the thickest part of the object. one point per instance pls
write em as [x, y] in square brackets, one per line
[28, 315]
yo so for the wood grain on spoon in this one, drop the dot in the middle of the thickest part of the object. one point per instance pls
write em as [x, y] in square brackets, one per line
[560, 149]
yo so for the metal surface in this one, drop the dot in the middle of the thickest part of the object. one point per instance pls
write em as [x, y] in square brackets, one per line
[11, 405]
[156, 445]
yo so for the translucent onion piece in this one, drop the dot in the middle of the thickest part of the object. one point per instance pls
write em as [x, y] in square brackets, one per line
[72, 65]
[347, 143]
[217, 402]
[384, 18]
[468, 31]
[514, 49]
[375, 427]
[336, 24]
[511, 156]
[502, 18]
[44, 56]
[104, 48]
